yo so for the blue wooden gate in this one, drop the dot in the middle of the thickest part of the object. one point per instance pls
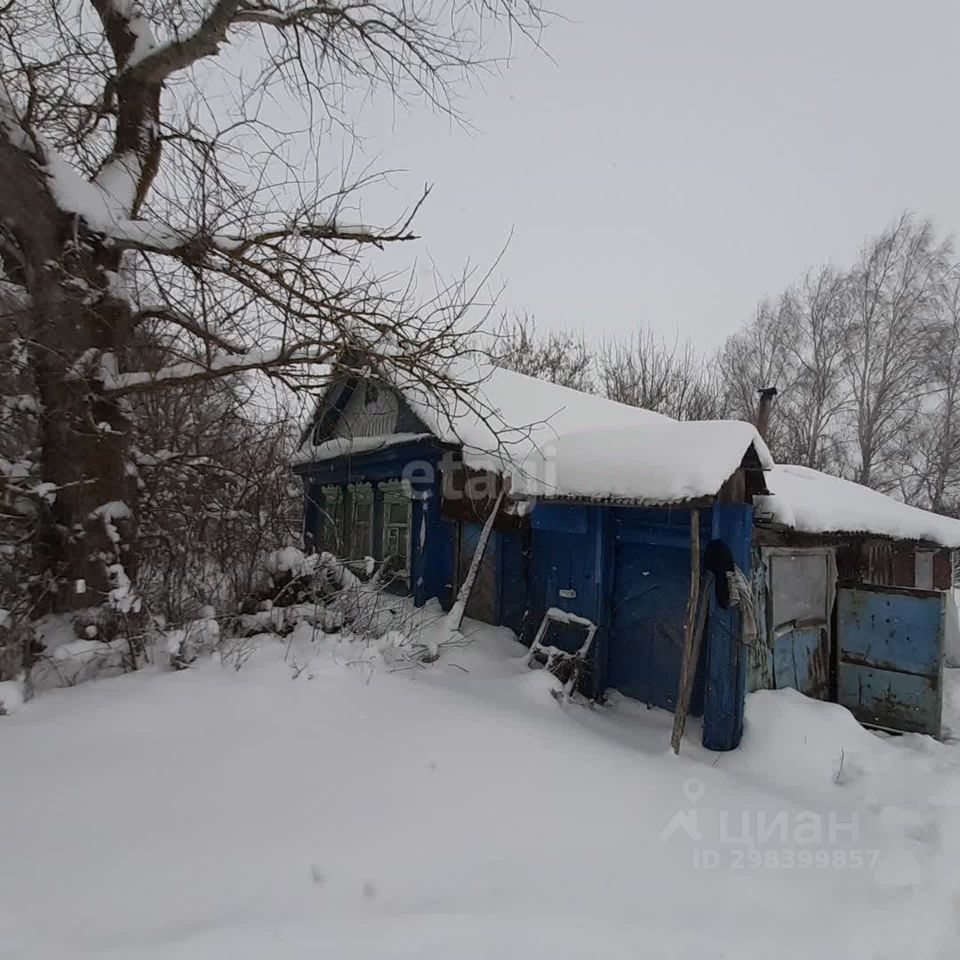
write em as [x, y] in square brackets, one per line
[651, 585]
[890, 662]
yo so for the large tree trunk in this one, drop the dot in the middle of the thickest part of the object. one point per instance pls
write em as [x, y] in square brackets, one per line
[83, 438]
[89, 527]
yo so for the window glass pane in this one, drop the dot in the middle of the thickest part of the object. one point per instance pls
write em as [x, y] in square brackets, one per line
[800, 589]
[923, 575]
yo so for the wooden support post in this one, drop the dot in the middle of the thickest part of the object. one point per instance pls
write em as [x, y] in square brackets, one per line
[691, 640]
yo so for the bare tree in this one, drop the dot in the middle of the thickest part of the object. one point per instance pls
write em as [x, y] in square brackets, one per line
[894, 292]
[559, 356]
[760, 355]
[929, 456]
[669, 377]
[129, 197]
[811, 404]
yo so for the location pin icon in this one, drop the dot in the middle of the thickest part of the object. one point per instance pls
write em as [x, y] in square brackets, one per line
[693, 790]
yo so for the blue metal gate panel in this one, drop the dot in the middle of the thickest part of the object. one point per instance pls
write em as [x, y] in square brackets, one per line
[890, 665]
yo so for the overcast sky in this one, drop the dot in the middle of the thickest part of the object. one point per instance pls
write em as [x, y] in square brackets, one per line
[680, 159]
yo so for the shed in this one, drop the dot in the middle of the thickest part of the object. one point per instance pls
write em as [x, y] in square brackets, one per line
[850, 591]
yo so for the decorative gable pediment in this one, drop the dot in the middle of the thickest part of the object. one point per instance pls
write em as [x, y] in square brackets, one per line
[362, 408]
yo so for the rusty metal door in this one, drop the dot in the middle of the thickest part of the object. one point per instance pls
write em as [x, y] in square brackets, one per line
[890, 656]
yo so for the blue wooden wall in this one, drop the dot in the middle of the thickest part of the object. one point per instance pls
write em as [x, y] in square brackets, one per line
[626, 569]
[569, 569]
[651, 585]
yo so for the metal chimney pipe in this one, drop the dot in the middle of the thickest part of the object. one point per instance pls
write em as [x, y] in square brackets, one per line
[763, 411]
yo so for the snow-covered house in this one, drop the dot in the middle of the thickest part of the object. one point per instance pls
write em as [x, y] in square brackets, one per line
[595, 520]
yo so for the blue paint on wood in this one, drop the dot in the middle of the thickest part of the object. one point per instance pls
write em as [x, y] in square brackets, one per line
[625, 569]
[567, 571]
[726, 661]
[512, 575]
[416, 460]
[890, 670]
[561, 517]
[800, 661]
[431, 547]
[650, 566]
[646, 625]
[885, 698]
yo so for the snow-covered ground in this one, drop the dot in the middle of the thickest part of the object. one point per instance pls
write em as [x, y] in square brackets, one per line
[319, 802]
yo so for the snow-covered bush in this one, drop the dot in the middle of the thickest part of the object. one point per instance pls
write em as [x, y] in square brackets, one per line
[217, 497]
[184, 644]
[11, 696]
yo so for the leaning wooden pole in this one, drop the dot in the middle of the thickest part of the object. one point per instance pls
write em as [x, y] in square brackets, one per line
[691, 644]
[454, 618]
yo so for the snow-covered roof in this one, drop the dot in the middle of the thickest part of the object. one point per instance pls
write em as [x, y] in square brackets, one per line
[552, 441]
[809, 501]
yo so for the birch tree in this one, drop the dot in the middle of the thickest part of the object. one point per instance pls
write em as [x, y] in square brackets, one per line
[760, 355]
[152, 173]
[929, 462]
[817, 395]
[894, 291]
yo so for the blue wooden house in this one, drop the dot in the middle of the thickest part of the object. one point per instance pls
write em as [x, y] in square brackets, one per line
[596, 521]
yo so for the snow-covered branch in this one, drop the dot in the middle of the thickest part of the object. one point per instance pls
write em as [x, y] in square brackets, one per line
[181, 374]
